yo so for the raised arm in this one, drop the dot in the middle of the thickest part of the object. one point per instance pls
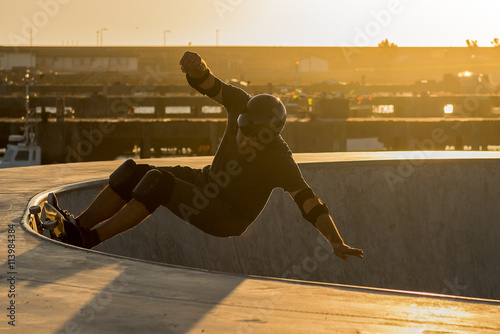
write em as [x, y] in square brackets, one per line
[200, 77]
[316, 212]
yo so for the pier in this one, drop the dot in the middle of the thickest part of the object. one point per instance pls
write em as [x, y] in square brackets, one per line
[77, 140]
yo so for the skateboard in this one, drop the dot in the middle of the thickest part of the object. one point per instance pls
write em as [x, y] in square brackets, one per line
[48, 221]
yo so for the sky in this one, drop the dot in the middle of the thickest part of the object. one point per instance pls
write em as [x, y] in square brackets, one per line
[249, 22]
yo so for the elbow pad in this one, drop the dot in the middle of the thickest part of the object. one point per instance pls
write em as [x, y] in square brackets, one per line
[211, 92]
[315, 212]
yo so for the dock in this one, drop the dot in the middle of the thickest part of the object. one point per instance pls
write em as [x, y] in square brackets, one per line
[79, 140]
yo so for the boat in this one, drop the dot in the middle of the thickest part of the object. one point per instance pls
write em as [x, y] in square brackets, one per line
[21, 152]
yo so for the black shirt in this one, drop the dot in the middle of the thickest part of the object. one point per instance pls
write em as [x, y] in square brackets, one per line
[247, 177]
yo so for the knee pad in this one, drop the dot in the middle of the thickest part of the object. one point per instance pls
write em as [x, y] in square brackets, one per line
[154, 189]
[125, 178]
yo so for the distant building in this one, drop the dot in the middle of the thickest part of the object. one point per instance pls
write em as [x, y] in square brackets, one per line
[65, 59]
[313, 64]
[258, 65]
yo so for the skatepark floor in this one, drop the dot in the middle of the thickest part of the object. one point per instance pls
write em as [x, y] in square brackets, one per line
[57, 288]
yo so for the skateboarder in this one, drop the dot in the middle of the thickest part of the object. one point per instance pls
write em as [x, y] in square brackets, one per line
[224, 198]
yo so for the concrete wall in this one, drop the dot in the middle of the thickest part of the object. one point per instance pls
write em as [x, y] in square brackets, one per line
[425, 225]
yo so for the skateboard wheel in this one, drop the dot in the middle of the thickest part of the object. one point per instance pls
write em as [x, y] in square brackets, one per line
[50, 224]
[34, 210]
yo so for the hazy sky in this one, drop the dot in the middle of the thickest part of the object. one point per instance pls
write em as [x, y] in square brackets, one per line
[250, 22]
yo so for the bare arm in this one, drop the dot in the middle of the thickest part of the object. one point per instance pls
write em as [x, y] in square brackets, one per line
[195, 67]
[326, 226]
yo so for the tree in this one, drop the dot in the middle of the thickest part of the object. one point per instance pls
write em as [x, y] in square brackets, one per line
[386, 44]
[471, 44]
[496, 42]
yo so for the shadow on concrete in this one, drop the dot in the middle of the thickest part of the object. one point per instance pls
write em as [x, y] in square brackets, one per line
[107, 282]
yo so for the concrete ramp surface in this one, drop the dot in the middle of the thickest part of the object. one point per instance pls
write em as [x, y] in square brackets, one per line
[429, 226]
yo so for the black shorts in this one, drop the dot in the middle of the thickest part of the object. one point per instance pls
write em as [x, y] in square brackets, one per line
[192, 202]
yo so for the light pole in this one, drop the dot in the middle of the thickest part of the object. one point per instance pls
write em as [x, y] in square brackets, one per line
[296, 74]
[165, 37]
[102, 29]
[97, 37]
[217, 37]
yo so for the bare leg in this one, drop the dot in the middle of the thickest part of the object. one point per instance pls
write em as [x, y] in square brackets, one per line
[104, 206]
[129, 216]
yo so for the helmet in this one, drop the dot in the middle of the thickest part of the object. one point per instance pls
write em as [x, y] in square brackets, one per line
[263, 111]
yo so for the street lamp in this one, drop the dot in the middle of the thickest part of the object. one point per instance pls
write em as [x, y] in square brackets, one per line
[97, 37]
[165, 37]
[101, 30]
[217, 37]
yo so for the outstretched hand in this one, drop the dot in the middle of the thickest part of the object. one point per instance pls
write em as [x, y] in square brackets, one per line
[192, 64]
[342, 250]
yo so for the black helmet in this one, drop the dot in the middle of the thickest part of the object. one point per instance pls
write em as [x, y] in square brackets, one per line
[264, 111]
